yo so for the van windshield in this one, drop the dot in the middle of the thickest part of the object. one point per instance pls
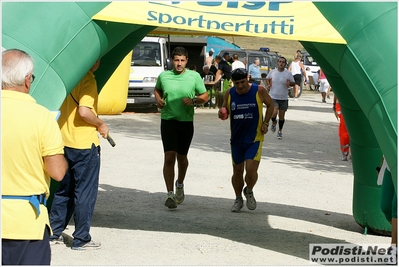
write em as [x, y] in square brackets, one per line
[308, 60]
[146, 54]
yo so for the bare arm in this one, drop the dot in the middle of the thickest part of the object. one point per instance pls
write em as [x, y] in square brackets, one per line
[55, 166]
[303, 71]
[159, 98]
[88, 115]
[267, 100]
[202, 98]
[224, 105]
[269, 83]
[289, 83]
[219, 75]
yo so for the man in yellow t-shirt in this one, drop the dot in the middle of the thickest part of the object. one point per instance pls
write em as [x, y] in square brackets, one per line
[32, 151]
[78, 190]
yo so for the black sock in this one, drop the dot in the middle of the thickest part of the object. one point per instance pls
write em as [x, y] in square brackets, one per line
[280, 124]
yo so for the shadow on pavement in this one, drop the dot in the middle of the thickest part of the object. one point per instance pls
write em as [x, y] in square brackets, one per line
[140, 210]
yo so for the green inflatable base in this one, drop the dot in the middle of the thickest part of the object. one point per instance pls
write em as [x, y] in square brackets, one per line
[367, 211]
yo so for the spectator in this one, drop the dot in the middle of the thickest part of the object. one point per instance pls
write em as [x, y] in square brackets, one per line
[224, 71]
[263, 81]
[209, 87]
[209, 59]
[247, 134]
[297, 69]
[175, 93]
[297, 53]
[254, 71]
[206, 71]
[227, 58]
[32, 152]
[324, 85]
[77, 193]
[213, 67]
[278, 81]
[237, 63]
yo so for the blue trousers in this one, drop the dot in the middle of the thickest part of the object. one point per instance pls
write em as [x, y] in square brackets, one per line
[26, 252]
[77, 194]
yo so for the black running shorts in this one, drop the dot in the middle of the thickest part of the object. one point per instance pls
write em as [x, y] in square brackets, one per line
[177, 135]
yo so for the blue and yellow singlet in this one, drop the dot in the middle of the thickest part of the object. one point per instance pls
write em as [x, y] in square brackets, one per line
[246, 116]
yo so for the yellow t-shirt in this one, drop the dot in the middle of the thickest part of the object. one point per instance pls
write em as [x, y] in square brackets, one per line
[29, 132]
[76, 132]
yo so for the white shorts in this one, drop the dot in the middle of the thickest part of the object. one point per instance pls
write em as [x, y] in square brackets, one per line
[324, 85]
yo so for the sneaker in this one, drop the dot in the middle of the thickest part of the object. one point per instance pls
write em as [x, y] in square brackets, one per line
[179, 197]
[273, 128]
[279, 135]
[91, 245]
[251, 202]
[344, 158]
[238, 204]
[323, 100]
[56, 240]
[295, 99]
[170, 201]
[328, 96]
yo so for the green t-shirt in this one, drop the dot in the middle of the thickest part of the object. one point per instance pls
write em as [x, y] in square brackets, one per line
[175, 87]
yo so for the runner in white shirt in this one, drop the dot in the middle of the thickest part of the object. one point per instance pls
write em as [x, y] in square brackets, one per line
[278, 81]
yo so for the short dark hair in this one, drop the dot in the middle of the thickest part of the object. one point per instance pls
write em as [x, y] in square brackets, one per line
[284, 59]
[235, 56]
[239, 74]
[218, 58]
[211, 53]
[179, 51]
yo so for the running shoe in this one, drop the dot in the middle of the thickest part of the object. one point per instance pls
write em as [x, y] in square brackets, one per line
[273, 128]
[179, 197]
[279, 135]
[238, 204]
[57, 240]
[170, 201]
[251, 202]
[91, 245]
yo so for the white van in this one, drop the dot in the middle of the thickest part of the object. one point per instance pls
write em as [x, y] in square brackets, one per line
[150, 57]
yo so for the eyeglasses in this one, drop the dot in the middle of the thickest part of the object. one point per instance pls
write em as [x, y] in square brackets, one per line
[32, 78]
